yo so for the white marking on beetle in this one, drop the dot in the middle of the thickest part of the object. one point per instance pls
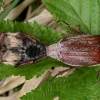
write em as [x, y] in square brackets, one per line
[11, 41]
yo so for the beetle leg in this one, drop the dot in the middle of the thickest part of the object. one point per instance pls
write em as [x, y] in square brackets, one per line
[19, 63]
[27, 36]
[62, 72]
[24, 63]
[71, 27]
[80, 29]
[98, 76]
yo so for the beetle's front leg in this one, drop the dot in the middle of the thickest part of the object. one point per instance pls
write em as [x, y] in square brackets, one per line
[71, 27]
[23, 63]
[62, 72]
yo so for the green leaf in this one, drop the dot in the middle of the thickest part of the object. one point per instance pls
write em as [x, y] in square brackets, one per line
[6, 12]
[85, 13]
[81, 85]
[1, 3]
[44, 34]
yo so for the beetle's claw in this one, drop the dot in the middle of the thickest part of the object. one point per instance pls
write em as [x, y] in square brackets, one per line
[60, 73]
[98, 76]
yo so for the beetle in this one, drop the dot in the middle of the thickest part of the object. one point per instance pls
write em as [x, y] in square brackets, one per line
[20, 49]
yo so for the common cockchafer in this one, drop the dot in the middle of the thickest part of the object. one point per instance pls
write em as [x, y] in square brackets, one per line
[78, 51]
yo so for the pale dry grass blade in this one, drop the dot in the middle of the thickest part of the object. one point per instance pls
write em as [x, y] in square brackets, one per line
[38, 10]
[43, 18]
[18, 10]
[7, 80]
[56, 98]
[10, 92]
[28, 86]
[12, 97]
[12, 84]
[6, 2]
[29, 11]
[33, 83]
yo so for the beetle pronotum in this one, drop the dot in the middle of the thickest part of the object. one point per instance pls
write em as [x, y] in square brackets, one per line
[78, 51]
